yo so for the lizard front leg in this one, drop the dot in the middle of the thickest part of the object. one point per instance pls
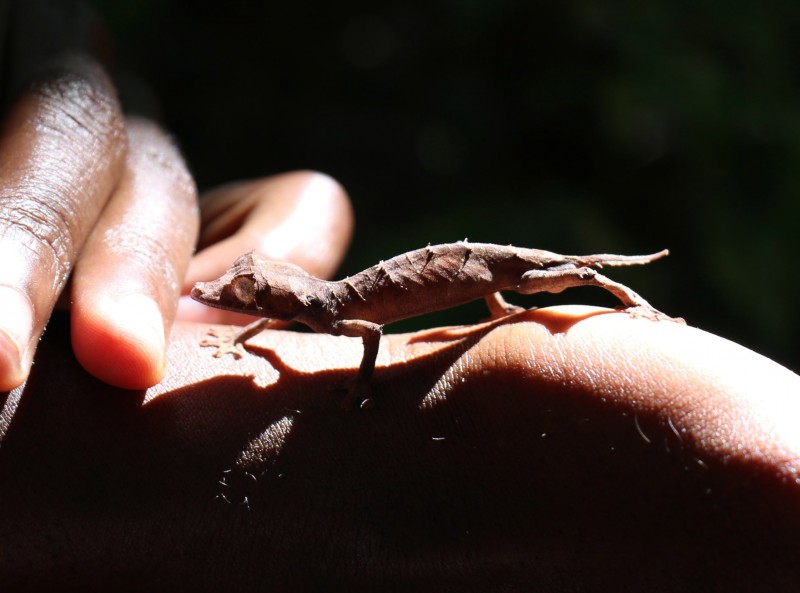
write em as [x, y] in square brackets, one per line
[231, 341]
[370, 334]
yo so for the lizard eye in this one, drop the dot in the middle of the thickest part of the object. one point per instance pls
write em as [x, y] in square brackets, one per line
[244, 288]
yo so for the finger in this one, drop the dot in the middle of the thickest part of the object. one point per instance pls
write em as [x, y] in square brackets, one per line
[127, 282]
[61, 152]
[303, 217]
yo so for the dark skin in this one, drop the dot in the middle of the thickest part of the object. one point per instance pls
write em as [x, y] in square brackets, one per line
[85, 193]
[105, 200]
[565, 449]
[568, 447]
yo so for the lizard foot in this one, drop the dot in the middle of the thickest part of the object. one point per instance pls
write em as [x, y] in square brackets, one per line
[225, 343]
[356, 397]
[648, 312]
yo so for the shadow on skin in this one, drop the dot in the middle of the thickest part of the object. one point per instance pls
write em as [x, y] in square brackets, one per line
[507, 480]
[555, 322]
[434, 364]
[338, 382]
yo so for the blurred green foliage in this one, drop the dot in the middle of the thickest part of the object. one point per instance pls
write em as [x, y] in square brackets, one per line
[573, 126]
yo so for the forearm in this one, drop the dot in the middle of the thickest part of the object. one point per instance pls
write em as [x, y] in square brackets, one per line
[527, 450]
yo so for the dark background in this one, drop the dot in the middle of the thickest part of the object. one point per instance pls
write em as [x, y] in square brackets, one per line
[573, 126]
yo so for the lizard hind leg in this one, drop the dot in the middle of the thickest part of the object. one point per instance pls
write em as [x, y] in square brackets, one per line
[370, 334]
[499, 307]
[557, 280]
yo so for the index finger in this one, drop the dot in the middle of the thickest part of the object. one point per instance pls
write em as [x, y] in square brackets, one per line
[61, 153]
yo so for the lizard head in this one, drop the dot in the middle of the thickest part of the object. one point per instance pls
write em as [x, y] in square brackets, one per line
[257, 286]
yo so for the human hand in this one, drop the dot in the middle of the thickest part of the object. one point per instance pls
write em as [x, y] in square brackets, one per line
[84, 192]
[130, 270]
[62, 153]
[107, 200]
[567, 448]
[125, 299]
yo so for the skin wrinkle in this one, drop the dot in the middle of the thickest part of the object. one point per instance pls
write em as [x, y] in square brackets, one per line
[53, 128]
[144, 251]
[725, 427]
[46, 198]
[719, 413]
[73, 93]
[58, 272]
[721, 428]
[100, 140]
[164, 156]
[459, 370]
[16, 220]
[18, 266]
[45, 220]
[564, 367]
[166, 160]
[437, 392]
[635, 382]
[629, 383]
[546, 363]
[134, 237]
[265, 448]
[497, 357]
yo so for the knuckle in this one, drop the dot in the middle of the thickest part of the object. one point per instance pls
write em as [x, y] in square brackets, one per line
[44, 229]
[145, 255]
[78, 102]
[154, 150]
[53, 188]
[166, 159]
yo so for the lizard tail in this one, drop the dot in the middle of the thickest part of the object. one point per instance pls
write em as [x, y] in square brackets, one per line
[607, 259]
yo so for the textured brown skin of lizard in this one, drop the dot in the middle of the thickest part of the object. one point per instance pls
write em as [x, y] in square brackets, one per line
[422, 281]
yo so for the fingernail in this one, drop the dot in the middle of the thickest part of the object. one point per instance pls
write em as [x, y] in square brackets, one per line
[134, 339]
[139, 317]
[16, 325]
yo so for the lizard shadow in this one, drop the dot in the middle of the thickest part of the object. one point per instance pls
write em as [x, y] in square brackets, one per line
[428, 367]
[316, 391]
[256, 440]
[259, 431]
[556, 322]
[251, 424]
[456, 341]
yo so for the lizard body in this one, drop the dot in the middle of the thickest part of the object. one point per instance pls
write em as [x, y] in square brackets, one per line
[425, 280]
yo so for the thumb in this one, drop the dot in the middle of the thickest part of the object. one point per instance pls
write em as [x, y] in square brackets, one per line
[303, 218]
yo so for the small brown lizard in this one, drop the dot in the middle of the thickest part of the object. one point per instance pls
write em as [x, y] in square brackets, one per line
[430, 279]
